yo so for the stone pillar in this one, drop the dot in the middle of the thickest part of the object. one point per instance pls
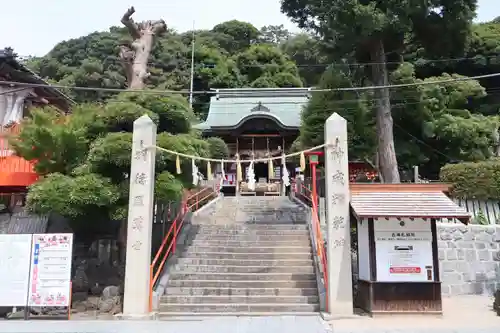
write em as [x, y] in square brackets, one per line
[337, 217]
[140, 219]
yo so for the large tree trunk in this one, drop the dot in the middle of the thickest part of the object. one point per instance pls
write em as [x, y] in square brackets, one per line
[134, 56]
[388, 163]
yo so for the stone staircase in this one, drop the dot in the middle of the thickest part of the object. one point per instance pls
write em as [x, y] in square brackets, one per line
[244, 256]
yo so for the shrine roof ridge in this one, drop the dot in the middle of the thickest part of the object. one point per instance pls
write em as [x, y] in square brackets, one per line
[230, 108]
[261, 92]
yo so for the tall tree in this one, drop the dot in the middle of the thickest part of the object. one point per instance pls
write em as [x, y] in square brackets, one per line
[135, 55]
[371, 29]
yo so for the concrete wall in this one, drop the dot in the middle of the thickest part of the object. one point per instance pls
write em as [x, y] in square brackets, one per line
[469, 258]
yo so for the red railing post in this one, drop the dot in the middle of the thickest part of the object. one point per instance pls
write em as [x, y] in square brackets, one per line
[175, 236]
[313, 177]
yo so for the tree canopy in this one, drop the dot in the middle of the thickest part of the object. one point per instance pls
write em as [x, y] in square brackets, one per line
[432, 124]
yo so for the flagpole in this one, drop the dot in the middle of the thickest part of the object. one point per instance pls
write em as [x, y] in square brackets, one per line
[192, 71]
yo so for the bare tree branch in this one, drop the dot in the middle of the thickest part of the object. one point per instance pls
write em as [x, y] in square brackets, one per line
[158, 27]
[127, 57]
[128, 22]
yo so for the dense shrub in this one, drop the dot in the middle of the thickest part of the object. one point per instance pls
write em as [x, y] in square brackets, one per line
[496, 303]
[473, 180]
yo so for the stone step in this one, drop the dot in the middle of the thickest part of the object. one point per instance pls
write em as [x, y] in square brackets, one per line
[242, 269]
[225, 284]
[243, 276]
[241, 291]
[245, 262]
[251, 226]
[171, 309]
[291, 250]
[231, 242]
[190, 253]
[187, 316]
[250, 238]
[249, 232]
[237, 299]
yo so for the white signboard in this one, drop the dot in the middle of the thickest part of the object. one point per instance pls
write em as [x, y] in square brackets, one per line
[50, 276]
[15, 252]
[404, 254]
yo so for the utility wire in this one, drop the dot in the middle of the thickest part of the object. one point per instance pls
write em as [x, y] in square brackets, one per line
[211, 92]
[340, 64]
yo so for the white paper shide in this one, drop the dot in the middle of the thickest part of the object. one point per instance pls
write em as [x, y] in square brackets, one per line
[50, 276]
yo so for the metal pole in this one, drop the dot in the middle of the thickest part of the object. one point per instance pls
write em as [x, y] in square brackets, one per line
[415, 174]
[192, 71]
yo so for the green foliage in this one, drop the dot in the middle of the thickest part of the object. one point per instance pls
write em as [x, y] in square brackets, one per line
[496, 302]
[473, 180]
[218, 148]
[167, 187]
[86, 156]
[71, 196]
[92, 61]
[348, 104]
[56, 145]
[243, 34]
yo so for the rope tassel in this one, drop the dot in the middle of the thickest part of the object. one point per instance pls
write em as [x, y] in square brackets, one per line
[302, 161]
[178, 165]
[209, 171]
[270, 169]
[239, 173]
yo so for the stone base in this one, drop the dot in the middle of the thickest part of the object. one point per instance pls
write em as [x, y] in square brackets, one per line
[148, 316]
[329, 316]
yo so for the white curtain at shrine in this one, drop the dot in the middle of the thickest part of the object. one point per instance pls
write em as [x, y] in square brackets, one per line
[251, 177]
[285, 176]
[12, 104]
[195, 173]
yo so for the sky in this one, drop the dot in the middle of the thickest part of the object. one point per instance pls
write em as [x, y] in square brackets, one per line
[33, 27]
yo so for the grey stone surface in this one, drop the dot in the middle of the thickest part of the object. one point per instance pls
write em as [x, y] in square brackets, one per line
[236, 252]
[271, 324]
[469, 259]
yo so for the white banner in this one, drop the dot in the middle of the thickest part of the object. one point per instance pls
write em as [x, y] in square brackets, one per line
[50, 275]
[15, 253]
[404, 256]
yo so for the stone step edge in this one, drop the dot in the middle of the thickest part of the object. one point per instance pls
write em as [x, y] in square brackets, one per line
[164, 297]
[233, 266]
[238, 281]
[239, 260]
[183, 316]
[257, 247]
[247, 253]
[225, 273]
[243, 288]
[238, 304]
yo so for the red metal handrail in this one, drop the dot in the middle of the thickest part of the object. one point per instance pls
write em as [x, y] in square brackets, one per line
[318, 240]
[172, 234]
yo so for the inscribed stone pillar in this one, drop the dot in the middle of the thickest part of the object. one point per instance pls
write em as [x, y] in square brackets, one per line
[337, 217]
[140, 219]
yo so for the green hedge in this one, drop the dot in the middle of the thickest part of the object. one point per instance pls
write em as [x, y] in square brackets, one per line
[473, 180]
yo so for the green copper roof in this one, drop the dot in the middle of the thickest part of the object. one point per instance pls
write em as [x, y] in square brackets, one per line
[229, 108]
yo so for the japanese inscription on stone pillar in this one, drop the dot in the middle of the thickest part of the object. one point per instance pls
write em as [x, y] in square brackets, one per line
[140, 217]
[337, 217]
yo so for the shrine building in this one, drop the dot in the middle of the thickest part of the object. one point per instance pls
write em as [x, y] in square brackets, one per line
[259, 123]
[16, 101]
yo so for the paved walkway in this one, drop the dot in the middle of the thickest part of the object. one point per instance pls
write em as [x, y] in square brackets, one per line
[288, 324]
[466, 314]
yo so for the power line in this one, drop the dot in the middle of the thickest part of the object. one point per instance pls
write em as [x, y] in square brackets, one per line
[355, 64]
[212, 92]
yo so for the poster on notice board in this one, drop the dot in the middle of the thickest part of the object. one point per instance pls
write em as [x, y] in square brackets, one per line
[50, 275]
[15, 252]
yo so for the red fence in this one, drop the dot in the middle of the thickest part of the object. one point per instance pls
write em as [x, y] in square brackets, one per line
[168, 245]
